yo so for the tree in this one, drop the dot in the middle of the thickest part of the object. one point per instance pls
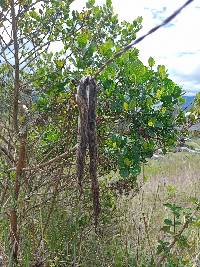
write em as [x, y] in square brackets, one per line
[39, 111]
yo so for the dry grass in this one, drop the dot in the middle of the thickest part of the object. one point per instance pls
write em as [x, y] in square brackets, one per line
[173, 179]
[129, 233]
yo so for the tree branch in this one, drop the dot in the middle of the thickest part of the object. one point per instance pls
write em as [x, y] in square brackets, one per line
[45, 164]
[7, 154]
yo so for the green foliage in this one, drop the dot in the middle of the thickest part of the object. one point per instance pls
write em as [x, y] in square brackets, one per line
[140, 105]
[131, 94]
[174, 229]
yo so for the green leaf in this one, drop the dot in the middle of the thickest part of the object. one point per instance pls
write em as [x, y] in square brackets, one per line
[127, 162]
[160, 92]
[162, 71]
[168, 222]
[176, 210]
[106, 48]
[108, 3]
[90, 50]
[126, 106]
[33, 14]
[166, 229]
[90, 3]
[183, 242]
[146, 178]
[132, 104]
[82, 40]
[151, 122]
[151, 62]
[124, 172]
[196, 223]
[171, 189]
[60, 63]
[114, 145]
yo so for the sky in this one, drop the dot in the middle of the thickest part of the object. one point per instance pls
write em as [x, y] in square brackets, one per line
[177, 46]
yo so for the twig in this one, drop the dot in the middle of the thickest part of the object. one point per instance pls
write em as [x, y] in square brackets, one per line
[8, 154]
[42, 165]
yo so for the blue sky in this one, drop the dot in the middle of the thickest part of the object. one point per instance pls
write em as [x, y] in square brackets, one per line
[177, 46]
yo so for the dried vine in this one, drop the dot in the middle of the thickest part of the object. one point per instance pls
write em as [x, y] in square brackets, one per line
[82, 102]
[92, 140]
[87, 101]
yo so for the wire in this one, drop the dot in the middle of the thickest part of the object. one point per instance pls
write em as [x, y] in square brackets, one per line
[131, 45]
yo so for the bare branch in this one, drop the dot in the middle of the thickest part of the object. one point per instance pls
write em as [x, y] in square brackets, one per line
[32, 52]
[7, 154]
[27, 8]
[6, 141]
[6, 47]
[48, 163]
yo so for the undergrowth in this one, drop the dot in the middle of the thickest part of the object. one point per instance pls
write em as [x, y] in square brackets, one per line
[136, 228]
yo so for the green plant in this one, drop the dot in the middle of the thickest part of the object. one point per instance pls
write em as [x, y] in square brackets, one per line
[174, 229]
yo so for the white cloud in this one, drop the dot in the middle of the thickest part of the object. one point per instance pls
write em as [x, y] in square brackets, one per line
[176, 46]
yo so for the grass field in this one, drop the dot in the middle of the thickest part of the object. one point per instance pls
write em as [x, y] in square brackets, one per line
[132, 225]
[174, 178]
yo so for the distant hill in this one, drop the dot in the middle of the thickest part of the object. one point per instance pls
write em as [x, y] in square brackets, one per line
[188, 102]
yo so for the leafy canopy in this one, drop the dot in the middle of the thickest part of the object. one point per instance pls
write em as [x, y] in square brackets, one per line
[136, 103]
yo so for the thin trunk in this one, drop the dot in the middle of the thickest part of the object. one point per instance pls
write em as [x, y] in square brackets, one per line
[14, 214]
[16, 71]
[22, 141]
